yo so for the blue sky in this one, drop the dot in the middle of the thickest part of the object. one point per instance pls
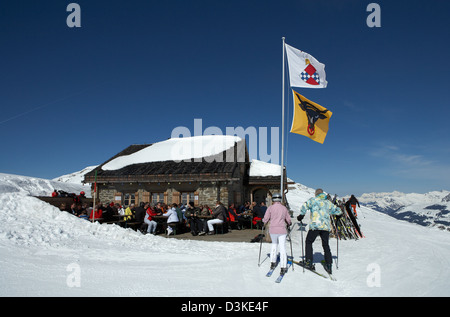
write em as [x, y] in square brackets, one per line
[135, 70]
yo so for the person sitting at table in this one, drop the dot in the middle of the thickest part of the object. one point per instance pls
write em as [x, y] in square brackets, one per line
[62, 207]
[172, 218]
[258, 213]
[232, 215]
[219, 215]
[159, 209]
[139, 212]
[191, 213]
[108, 212]
[149, 214]
[205, 214]
[129, 212]
[244, 215]
[84, 215]
[96, 213]
[120, 210]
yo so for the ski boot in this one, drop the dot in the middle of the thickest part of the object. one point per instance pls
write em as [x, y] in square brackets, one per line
[308, 265]
[327, 267]
[273, 265]
[283, 271]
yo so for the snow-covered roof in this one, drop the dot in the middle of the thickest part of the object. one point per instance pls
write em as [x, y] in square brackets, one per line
[176, 149]
[260, 168]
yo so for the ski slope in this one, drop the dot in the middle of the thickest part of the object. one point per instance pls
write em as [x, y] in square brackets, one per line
[45, 252]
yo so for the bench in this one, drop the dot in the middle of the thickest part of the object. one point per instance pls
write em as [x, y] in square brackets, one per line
[133, 225]
[221, 226]
[115, 222]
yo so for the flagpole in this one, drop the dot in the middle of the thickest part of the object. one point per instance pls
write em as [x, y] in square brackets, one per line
[95, 194]
[282, 125]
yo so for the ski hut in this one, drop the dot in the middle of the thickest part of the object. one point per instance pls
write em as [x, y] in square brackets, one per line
[202, 169]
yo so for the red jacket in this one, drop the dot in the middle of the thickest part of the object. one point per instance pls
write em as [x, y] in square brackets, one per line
[97, 214]
[150, 213]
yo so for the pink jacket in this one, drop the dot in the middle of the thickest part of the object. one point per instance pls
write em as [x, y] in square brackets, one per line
[278, 215]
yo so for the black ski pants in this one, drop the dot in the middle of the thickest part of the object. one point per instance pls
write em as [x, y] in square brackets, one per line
[311, 237]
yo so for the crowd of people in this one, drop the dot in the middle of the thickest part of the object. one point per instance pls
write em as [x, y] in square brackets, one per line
[146, 217]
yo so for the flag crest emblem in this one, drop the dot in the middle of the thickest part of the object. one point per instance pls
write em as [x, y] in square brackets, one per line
[310, 119]
[310, 75]
[304, 70]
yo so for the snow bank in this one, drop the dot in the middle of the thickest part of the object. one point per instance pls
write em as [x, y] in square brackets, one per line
[176, 149]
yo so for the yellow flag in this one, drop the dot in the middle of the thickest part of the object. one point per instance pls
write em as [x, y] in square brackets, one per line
[310, 118]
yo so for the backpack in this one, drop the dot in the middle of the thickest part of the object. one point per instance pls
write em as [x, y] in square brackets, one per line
[257, 238]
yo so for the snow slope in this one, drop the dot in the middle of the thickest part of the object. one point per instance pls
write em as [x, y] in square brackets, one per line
[45, 252]
[76, 177]
[10, 183]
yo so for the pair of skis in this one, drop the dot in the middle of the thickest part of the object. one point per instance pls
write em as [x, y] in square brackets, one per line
[327, 276]
[280, 277]
[291, 261]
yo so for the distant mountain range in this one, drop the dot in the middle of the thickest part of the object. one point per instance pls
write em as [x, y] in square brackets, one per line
[430, 209]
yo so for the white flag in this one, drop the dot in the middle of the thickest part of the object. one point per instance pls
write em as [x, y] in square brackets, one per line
[304, 70]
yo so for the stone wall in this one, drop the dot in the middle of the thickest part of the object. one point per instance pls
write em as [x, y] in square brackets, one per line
[208, 193]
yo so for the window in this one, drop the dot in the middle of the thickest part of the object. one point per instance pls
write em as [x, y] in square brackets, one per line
[187, 197]
[157, 198]
[129, 199]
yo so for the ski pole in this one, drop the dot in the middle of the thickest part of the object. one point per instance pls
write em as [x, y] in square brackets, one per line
[337, 254]
[290, 241]
[303, 252]
[260, 246]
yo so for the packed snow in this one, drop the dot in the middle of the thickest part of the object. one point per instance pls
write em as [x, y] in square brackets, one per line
[260, 168]
[176, 149]
[46, 252]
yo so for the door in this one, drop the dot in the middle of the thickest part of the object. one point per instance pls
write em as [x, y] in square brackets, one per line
[260, 195]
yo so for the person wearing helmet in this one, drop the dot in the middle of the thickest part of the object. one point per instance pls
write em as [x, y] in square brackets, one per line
[279, 217]
[321, 209]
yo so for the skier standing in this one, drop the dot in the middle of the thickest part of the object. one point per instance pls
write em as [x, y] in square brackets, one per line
[353, 201]
[320, 208]
[278, 215]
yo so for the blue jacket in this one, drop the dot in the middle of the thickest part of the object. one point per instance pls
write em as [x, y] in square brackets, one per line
[321, 209]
